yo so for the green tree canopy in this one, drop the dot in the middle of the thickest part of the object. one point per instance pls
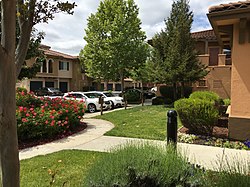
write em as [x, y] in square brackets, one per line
[115, 41]
[176, 48]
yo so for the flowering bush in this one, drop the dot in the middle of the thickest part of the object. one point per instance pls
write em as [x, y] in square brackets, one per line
[41, 118]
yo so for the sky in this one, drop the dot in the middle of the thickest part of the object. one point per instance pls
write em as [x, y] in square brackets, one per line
[65, 33]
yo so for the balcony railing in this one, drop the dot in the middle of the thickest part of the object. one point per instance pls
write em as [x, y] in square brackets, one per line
[223, 60]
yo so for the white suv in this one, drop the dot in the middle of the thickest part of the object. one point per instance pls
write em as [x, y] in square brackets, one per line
[91, 100]
[115, 101]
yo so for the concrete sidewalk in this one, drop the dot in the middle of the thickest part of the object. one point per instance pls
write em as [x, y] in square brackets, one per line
[92, 139]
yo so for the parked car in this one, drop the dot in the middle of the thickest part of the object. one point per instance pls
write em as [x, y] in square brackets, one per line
[91, 100]
[48, 91]
[116, 101]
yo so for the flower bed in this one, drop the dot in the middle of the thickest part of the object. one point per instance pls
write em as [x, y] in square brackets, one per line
[44, 118]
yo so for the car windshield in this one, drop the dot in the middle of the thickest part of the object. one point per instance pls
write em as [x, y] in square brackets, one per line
[53, 89]
[92, 95]
[108, 94]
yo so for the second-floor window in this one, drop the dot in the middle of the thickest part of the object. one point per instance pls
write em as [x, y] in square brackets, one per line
[44, 67]
[47, 66]
[63, 65]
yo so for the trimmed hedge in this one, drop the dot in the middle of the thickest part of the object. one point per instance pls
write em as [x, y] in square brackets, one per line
[206, 95]
[199, 116]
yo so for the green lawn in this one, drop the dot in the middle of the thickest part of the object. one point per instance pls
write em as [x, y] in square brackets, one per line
[147, 122]
[70, 168]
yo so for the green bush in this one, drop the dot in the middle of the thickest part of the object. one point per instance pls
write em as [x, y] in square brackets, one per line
[199, 116]
[41, 118]
[168, 92]
[206, 95]
[21, 89]
[133, 96]
[141, 165]
[227, 102]
[25, 99]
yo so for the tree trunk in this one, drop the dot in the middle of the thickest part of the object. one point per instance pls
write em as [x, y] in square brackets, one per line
[122, 82]
[182, 89]
[8, 128]
[175, 91]
[142, 94]
[106, 85]
[9, 161]
[122, 88]
[25, 32]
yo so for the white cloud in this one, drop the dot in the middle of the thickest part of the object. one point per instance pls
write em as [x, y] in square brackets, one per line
[65, 33]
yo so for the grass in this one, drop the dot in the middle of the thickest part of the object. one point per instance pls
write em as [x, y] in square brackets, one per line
[68, 168]
[139, 163]
[148, 122]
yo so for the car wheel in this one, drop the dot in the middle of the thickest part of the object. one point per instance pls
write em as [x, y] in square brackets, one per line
[91, 108]
[112, 105]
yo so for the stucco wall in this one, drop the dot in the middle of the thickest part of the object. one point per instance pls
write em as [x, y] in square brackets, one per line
[218, 79]
[240, 77]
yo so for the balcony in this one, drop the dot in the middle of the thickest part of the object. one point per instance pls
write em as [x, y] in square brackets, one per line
[220, 61]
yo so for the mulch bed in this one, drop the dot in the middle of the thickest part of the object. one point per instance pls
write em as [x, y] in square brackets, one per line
[31, 143]
[218, 132]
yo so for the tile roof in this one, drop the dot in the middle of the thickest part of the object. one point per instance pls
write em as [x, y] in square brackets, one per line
[207, 34]
[49, 52]
[230, 6]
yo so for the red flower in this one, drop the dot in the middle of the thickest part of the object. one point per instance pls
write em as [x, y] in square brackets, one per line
[20, 108]
[24, 120]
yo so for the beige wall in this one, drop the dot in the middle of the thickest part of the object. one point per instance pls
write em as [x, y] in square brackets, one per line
[240, 77]
[218, 79]
[79, 79]
[73, 77]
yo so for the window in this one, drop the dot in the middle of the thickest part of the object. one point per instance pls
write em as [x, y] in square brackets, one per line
[50, 66]
[228, 56]
[44, 66]
[202, 83]
[63, 65]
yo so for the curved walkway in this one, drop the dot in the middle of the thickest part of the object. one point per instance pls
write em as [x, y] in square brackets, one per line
[95, 129]
[92, 139]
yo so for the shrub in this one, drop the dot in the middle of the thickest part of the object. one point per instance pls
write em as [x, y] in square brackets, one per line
[27, 99]
[141, 165]
[227, 102]
[21, 89]
[199, 116]
[168, 92]
[41, 118]
[160, 100]
[206, 95]
[133, 96]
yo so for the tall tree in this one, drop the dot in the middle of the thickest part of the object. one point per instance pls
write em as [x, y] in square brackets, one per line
[177, 50]
[115, 41]
[11, 59]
